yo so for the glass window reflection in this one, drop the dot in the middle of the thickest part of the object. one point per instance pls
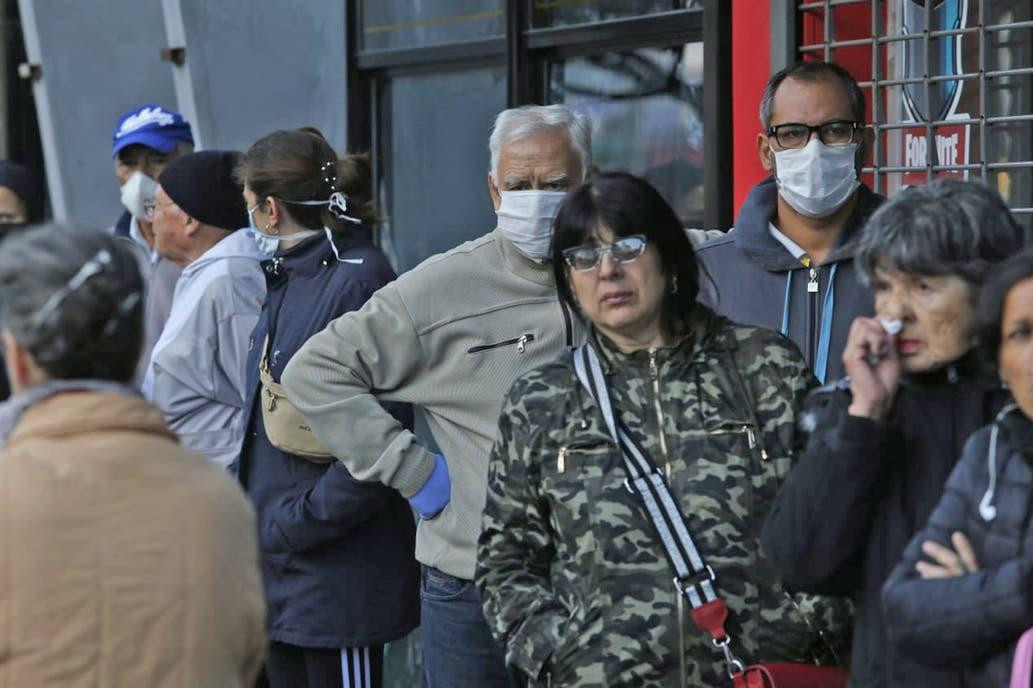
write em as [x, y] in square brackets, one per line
[646, 108]
[551, 13]
[436, 160]
[394, 24]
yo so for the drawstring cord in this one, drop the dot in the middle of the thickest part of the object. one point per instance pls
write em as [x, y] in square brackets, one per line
[987, 510]
[785, 304]
[821, 364]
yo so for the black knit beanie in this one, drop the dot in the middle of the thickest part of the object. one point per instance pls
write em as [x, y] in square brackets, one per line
[17, 179]
[202, 185]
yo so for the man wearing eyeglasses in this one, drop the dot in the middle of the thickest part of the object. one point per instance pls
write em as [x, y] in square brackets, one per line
[788, 263]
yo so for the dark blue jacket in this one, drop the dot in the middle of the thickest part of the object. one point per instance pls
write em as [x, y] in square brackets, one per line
[337, 553]
[969, 624]
[751, 273]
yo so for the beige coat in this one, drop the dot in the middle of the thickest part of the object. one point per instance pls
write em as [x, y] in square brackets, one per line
[124, 559]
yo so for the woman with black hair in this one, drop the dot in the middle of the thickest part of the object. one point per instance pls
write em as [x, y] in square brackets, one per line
[575, 581]
[337, 553]
[963, 592]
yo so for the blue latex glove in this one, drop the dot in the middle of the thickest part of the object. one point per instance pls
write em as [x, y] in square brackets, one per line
[435, 493]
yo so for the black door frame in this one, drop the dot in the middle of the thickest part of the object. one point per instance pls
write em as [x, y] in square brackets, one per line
[527, 51]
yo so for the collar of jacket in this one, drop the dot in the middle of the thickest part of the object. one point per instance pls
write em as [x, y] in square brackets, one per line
[760, 208]
[537, 271]
[313, 254]
[970, 369]
[73, 413]
[703, 335]
[1017, 431]
[237, 244]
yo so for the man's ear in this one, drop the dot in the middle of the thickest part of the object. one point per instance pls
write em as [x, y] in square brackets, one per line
[865, 147]
[767, 156]
[493, 191]
[191, 225]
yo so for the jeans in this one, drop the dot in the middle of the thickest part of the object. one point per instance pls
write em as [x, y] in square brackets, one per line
[458, 650]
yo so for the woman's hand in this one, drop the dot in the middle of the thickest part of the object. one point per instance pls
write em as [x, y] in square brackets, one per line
[948, 563]
[871, 361]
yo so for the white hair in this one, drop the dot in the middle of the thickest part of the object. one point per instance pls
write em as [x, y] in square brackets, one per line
[519, 123]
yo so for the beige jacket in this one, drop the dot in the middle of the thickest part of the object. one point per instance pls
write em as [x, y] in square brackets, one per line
[124, 559]
[450, 336]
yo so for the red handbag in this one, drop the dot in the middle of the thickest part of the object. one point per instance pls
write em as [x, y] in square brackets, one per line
[790, 676]
[693, 577]
[710, 617]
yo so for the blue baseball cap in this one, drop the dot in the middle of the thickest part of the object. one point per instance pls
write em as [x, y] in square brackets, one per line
[152, 126]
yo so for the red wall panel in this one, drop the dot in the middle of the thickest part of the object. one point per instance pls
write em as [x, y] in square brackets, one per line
[751, 67]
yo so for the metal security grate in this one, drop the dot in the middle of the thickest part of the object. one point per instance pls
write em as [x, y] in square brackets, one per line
[950, 86]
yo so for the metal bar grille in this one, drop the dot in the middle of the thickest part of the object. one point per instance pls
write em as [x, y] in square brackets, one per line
[898, 38]
[984, 22]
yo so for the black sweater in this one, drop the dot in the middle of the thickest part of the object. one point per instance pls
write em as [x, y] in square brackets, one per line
[860, 491]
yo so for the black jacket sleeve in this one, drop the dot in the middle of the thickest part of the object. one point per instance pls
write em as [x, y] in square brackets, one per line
[956, 622]
[816, 531]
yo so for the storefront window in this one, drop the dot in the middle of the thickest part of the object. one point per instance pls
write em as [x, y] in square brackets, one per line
[550, 13]
[952, 87]
[391, 24]
[436, 194]
[647, 116]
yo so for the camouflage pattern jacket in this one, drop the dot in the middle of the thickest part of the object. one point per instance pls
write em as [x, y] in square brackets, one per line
[574, 582]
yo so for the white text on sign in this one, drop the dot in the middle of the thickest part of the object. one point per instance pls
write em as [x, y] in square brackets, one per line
[916, 152]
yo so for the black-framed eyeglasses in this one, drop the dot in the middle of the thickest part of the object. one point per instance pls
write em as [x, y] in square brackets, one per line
[624, 250]
[838, 132]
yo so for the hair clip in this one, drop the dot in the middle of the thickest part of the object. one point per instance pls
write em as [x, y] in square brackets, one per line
[125, 307]
[339, 208]
[91, 268]
[329, 177]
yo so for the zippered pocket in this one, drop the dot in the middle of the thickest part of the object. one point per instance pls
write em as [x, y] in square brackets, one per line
[749, 431]
[521, 342]
[580, 447]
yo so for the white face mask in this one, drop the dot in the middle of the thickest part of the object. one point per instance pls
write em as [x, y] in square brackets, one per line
[525, 218]
[138, 190]
[269, 244]
[817, 180]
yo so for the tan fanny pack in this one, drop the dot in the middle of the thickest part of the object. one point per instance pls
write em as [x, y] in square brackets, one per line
[285, 427]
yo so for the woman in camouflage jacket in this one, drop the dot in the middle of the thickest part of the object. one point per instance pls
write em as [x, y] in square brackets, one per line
[575, 583]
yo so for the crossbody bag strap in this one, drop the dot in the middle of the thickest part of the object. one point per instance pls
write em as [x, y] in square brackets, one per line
[693, 576]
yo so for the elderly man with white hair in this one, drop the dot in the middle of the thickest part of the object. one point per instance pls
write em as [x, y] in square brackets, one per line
[451, 336]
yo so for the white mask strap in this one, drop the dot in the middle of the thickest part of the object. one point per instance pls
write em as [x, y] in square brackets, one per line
[338, 203]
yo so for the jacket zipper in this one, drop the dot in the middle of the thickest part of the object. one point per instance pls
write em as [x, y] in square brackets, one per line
[751, 437]
[654, 373]
[520, 341]
[812, 315]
